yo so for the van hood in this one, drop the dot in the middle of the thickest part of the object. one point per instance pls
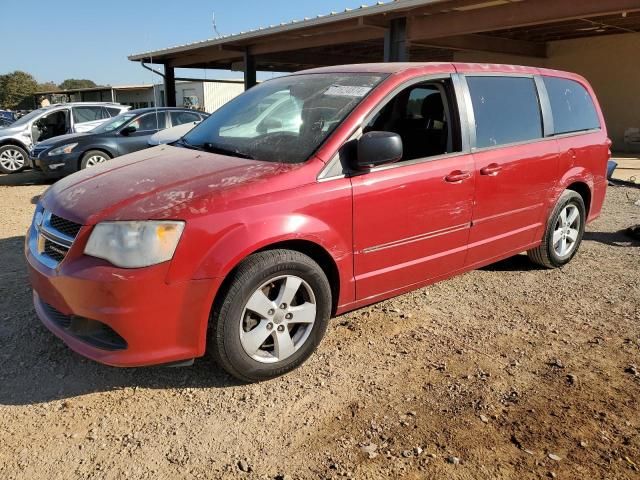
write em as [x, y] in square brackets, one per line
[151, 184]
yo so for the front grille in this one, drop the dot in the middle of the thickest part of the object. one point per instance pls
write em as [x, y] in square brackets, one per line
[62, 225]
[92, 332]
[55, 251]
[52, 237]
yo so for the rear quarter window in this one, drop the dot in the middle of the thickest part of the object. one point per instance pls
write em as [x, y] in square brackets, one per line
[572, 106]
[506, 110]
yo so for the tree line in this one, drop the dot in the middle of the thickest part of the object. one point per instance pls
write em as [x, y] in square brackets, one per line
[17, 89]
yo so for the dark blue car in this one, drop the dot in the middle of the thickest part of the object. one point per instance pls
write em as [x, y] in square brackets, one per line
[126, 133]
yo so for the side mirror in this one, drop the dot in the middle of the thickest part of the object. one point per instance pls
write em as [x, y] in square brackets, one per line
[378, 148]
[128, 130]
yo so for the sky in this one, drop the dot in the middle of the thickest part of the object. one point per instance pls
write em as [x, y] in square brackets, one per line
[87, 39]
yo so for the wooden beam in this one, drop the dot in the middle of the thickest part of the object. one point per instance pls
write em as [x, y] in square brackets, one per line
[485, 43]
[169, 86]
[249, 70]
[512, 15]
[203, 56]
[288, 44]
[319, 59]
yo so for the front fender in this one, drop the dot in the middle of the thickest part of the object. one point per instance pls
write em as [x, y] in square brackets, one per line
[241, 240]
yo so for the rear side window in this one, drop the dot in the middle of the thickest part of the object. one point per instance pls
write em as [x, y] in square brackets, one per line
[113, 111]
[150, 121]
[572, 106]
[178, 118]
[506, 110]
[88, 114]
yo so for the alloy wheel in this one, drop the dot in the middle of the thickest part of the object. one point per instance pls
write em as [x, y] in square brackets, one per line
[566, 231]
[12, 159]
[278, 319]
[94, 160]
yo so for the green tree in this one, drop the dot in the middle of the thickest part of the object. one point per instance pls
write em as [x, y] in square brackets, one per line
[17, 89]
[72, 83]
[47, 87]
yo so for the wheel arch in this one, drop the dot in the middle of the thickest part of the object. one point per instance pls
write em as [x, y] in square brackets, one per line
[312, 249]
[582, 189]
[14, 142]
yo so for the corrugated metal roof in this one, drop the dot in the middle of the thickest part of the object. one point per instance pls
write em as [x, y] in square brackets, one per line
[363, 10]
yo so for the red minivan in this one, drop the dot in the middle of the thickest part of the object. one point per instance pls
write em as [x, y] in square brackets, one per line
[311, 195]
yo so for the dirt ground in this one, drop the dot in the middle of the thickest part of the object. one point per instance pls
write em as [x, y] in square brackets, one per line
[506, 372]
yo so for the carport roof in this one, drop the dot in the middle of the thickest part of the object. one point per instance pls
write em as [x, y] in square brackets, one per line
[434, 29]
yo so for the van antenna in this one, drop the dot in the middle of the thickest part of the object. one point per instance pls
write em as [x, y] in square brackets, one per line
[215, 27]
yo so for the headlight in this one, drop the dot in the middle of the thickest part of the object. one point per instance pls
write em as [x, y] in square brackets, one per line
[135, 244]
[63, 149]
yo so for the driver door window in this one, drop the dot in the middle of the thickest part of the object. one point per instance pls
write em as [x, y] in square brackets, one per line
[421, 115]
[51, 125]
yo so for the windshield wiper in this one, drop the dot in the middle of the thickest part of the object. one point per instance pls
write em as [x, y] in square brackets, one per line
[212, 148]
[184, 143]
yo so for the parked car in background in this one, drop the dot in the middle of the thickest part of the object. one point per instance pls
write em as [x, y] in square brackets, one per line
[400, 175]
[170, 135]
[9, 115]
[126, 133]
[17, 139]
[5, 122]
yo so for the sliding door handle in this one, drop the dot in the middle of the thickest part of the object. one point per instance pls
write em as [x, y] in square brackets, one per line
[457, 176]
[492, 170]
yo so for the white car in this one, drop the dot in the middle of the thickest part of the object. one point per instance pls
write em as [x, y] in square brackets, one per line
[17, 139]
[169, 135]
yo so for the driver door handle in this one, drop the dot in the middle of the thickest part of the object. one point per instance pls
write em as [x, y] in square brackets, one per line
[457, 176]
[492, 169]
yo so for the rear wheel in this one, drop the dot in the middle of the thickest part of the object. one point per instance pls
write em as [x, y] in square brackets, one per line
[563, 234]
[13, 159]
[93, 158]
[272, 315]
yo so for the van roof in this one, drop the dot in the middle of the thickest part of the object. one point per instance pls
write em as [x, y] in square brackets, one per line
[399, 67]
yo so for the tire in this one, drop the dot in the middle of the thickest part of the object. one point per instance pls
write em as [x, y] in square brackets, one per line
[236, 330]
[93, 157]
[550, 254]
[13, 159]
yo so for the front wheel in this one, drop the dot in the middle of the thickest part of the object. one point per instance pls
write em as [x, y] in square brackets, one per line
[13, 159]
[271, 316]
[564, 232]
[93, 158]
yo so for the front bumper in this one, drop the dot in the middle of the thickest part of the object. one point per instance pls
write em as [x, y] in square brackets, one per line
[159, 322]
[57, 165]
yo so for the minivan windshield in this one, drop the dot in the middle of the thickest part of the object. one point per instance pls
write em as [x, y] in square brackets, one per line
[114, 123]
[282, 120]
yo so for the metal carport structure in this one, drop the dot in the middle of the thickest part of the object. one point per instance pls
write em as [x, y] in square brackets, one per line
[510, 31]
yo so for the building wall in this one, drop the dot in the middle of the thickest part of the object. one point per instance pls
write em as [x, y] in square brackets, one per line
[138, 98]
[217, 94]
[210, 95]
[610, 63]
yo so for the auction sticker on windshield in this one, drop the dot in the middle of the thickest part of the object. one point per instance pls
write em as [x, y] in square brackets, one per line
[347, 91]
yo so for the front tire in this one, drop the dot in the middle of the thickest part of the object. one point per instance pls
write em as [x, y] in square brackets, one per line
[564, 232]
[271, 316]
[93, 158]
[13, 159]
